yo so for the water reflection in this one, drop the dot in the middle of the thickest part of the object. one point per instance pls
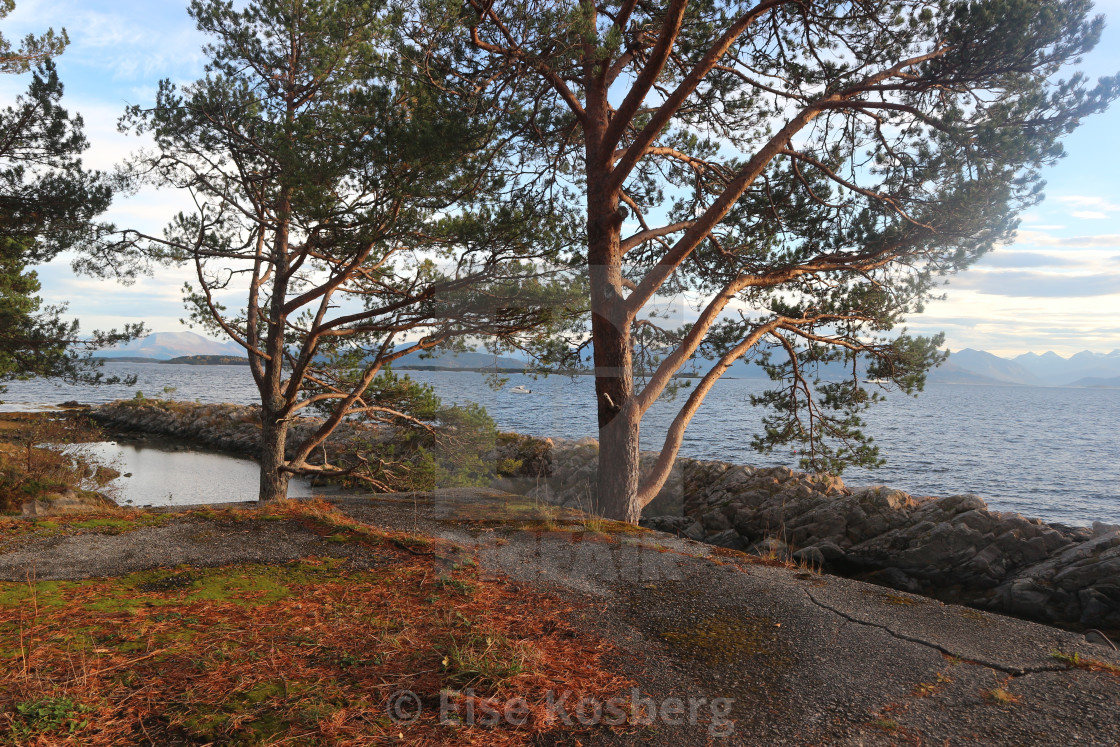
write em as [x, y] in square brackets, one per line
[154, 475]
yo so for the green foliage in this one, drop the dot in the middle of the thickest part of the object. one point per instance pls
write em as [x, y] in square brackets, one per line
[49, 716]
[425, 444]
[363, 205]
[48, 204]
[804, 176]
[33, 50]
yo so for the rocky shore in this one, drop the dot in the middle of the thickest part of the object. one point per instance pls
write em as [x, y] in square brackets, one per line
[225, 427]
[953, 548]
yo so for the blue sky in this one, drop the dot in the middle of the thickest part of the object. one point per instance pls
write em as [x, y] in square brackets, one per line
[1056, 288]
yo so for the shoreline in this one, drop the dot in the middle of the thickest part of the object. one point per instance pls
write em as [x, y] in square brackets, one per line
[952, 548]
[953, 439]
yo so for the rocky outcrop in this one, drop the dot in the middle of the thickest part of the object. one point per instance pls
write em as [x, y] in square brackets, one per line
[231, 428]
[954, 548]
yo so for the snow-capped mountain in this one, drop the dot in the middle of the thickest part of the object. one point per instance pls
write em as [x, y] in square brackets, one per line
[165, 345]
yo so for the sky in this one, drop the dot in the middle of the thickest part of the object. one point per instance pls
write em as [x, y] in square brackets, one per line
[1056, 287]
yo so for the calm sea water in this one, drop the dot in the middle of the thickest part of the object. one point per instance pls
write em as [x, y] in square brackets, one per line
[152, 475]
[1048, 452]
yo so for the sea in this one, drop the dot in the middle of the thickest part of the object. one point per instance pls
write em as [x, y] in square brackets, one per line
[1046, 452]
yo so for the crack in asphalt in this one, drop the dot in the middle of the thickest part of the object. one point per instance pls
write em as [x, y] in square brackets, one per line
[1013, 671]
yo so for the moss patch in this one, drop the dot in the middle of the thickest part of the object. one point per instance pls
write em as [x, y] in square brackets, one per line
[898, 599]
[120, 525]
[730, 640]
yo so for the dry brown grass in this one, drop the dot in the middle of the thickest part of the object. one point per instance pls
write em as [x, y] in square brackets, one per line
[303, 653]
[28, 471]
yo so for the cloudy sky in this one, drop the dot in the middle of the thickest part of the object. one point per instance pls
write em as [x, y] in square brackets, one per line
[1056, 288]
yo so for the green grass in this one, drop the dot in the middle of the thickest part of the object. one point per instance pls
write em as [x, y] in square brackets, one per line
[248, 585]
[485, 661]
[35, 718]
[1083, 662]
[886, 724]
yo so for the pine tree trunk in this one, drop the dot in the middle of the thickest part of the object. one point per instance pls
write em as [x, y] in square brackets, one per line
[618, 470]
[274, 423]
[619, 421]
[617, 494]
[274, 480]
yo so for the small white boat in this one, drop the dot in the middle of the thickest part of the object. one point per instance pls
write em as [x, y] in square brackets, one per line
[520, 389]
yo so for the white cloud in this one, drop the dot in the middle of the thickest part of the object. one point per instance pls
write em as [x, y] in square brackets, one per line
[1006, 258]
[1033, 220]
[1008, 325]
[1039, 238]
[1030, 284]
[1089, 201]
[129, 38]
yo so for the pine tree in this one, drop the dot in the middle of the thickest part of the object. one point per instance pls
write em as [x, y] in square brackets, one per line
[48, 203]
[804, 173]
[354, 203]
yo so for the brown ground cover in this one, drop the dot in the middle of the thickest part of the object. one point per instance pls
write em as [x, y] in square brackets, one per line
[28, 471]
[307, 652]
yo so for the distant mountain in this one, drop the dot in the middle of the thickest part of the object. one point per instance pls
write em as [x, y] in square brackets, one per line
[165, 345]
[972, 367]
[460, 361]
[1054, 370]
[1048, 367]
[969, 366]
[992, 367]
[951, 373]
[1092, 382]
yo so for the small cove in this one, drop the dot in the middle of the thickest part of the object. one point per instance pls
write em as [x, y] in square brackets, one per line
[158, 473]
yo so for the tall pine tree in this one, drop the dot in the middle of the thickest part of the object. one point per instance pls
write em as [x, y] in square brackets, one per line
[802, 172]
[355, 203]
[48, 203]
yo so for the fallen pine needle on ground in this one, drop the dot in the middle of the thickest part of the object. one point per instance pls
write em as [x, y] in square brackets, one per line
[307, 652]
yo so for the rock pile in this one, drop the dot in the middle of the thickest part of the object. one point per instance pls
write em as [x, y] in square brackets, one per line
[953, 548]
[232, 428]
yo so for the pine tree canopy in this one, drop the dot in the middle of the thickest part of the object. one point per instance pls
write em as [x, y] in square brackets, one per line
[48, 204]
[803, 174]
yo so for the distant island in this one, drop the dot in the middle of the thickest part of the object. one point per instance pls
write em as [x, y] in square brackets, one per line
[209, 360]
[190, 360]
